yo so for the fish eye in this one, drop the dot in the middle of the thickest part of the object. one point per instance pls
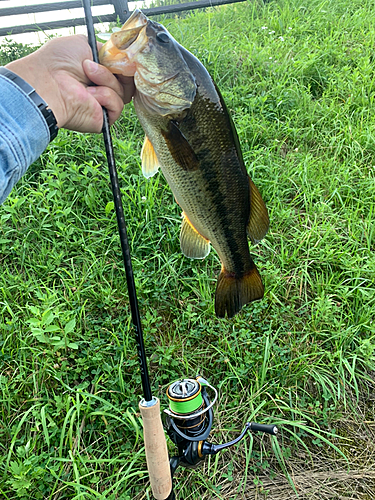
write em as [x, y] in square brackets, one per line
[162, 37]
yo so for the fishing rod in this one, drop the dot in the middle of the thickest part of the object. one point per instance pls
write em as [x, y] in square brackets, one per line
[155, 442]
[188, 421]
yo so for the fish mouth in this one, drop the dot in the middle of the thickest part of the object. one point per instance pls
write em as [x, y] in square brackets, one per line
[136, 20]
[163, 81]
[117, 54]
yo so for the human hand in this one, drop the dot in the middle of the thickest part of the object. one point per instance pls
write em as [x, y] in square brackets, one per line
[63, 73]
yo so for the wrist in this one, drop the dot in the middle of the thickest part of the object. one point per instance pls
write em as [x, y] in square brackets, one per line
[33, 96]
[43, 83]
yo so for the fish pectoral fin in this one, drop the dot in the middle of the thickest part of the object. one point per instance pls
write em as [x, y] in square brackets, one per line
[259, 221]
[179, 147]
[192, 243]
[150, 162]
[233, 292]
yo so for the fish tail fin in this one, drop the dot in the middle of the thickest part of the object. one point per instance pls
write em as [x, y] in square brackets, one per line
[233, 292]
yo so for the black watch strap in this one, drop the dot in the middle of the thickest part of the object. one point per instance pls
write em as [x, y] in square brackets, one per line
[35, 97]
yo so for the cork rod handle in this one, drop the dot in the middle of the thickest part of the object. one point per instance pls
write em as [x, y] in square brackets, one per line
[156, 450]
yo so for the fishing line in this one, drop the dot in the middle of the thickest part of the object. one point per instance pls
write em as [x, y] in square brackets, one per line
[120, 220]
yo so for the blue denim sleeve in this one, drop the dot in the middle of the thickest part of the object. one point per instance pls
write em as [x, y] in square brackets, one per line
[24, 134]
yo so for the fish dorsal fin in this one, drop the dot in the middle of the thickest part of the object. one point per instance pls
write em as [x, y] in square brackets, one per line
[193, 244]
[150, 162]
[180, 148]
[259, 221]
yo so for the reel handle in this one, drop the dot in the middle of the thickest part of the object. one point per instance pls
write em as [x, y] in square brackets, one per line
[268, 429]
[212, 449]
[156, 450]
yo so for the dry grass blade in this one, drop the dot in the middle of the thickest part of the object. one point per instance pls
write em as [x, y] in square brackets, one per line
[317, 484]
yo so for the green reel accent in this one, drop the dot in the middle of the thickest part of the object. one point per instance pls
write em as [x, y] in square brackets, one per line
[185, 407]
[185, 396]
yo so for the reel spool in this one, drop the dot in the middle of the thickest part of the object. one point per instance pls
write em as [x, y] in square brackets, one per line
[190, 411]
[189, 422]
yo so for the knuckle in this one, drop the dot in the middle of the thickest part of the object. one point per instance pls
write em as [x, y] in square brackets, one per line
[107, 93]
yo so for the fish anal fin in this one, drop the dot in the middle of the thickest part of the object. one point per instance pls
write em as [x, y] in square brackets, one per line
[150, 162]
[233, 292]
[259, 221]
[192, 243]
[180, 148]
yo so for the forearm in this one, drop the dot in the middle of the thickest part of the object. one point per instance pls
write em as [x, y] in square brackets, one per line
[24, 135]
[35, 72]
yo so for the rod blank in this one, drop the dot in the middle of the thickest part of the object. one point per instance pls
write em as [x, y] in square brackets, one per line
[121, 222]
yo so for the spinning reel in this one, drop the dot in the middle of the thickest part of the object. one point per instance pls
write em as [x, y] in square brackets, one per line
[189, 420]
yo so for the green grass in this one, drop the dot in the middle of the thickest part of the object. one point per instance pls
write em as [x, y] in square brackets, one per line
[298, 78]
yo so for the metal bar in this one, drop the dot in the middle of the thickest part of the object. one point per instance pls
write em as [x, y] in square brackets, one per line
[29, 28]
[165, 9]
[200, 4]
[121, 221]
[121, 9]
[47, 7]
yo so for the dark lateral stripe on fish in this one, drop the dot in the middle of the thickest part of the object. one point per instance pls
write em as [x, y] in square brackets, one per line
[201, 144]
[224, 211]
[230, 235]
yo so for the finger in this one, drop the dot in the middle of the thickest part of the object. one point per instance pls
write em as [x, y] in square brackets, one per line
[110, 100]
[102, 77]
[128, 85]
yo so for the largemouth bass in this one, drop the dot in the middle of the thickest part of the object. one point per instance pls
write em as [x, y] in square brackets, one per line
[191, 137]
